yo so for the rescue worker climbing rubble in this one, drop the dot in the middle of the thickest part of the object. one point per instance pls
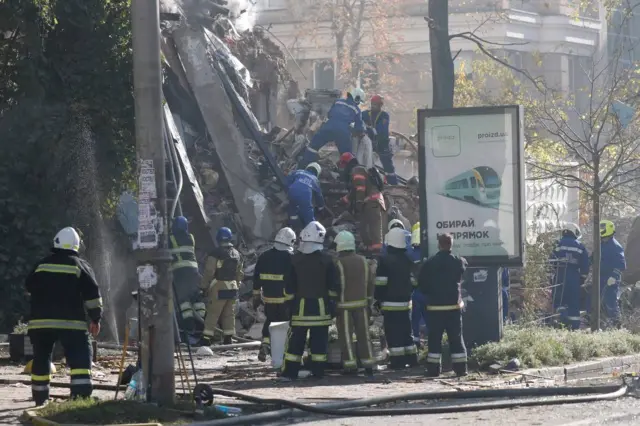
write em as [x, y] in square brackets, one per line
[357, 283]
[64, 292]
[186, 278]
[440, 280]
[572, 267]
[222, 273]
[394, 285]
[303, 188]
[365, 201]
[337, 128]
[612, 263]
[377, 122]
[271, 272]
[312, 287]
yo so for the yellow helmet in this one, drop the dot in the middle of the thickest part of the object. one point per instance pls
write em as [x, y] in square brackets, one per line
[607, 228]
[415, 234]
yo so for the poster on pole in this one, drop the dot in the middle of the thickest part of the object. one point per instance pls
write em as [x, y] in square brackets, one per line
[471, 169]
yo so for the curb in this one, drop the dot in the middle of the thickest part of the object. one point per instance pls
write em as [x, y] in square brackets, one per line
[31, 415]
[590, 369]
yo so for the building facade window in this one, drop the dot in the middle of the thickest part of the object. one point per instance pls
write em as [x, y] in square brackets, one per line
[324, 75]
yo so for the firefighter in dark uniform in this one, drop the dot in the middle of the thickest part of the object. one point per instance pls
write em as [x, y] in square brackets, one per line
[394, 286]
[270, 273]
[222, 272]
[312, 286]
[439, 280]
[63, 293]
[186, 278]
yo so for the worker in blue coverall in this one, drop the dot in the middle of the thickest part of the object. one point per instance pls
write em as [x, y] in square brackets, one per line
[418, 299]
[612, 263]
[337, 128]
[571, 272]
[303, 186]
[377, 122]
[505, 293]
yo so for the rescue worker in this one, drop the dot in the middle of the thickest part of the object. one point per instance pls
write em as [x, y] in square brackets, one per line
[418, 299]
[377, 122]
[572, 260]
[365, 200]
[356, 296]
[612, 263]
[64, 292]
[222, 273]
[394, 285]
[337, 128]
[312, 286]
[186, 278]
[506, 284]
[397, 223]
[439, 280]
[269, 278]
[303, 188]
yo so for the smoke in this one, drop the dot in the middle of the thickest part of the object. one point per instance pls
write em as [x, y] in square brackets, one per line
[243, 13]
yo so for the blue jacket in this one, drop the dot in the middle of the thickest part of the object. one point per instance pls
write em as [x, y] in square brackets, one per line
[612, 261]
[380, 122]
[343, 113]
[574, 265]
[304, 184]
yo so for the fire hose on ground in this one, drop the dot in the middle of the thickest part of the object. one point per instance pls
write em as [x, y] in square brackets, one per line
[360, 407]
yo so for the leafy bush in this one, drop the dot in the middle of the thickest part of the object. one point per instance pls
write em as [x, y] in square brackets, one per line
[542, 346]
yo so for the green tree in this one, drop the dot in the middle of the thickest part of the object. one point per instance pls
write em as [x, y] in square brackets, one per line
[66, 116]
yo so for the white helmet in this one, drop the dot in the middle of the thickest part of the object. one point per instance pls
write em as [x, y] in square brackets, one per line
[358, 95]
[573, 228]
[397, 237]
[316, 167]
[314, 232]
[67, 239]
[285, 239]
[395, 223]
[345, 241]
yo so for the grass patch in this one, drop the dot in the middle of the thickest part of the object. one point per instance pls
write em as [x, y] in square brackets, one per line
[89, 411]
[543, 346]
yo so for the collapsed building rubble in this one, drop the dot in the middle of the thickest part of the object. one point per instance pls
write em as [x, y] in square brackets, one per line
[226, 93]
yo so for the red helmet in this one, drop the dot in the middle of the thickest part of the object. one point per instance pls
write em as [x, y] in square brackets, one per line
[377, 99]
[345, 159]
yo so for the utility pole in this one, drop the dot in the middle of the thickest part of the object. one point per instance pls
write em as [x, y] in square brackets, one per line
[152, 254]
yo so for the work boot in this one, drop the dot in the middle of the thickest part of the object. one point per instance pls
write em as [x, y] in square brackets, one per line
[204, 341]
[433, 370]
[227, 340]
[412, 360]
[460, 369]
[368, 372]
[262, 353]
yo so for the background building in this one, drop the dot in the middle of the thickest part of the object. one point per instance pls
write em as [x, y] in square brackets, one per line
[556, 40]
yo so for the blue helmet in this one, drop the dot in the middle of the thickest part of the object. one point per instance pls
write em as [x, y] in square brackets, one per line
[224, 235]
[180, 223]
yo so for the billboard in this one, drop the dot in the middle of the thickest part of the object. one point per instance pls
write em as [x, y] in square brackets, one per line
[471, 169]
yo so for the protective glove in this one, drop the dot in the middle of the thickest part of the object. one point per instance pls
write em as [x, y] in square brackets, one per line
[611, 281]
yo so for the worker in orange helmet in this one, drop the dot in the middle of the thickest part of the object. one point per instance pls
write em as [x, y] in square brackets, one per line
[377, 122]
[365, 200]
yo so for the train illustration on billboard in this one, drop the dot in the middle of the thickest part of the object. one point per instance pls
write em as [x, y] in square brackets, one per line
[480, 185]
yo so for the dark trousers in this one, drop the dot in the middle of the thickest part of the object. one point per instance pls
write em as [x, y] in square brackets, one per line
[451, 322]
[318, 346]
[397, 329]
[275, 312]
[77, 351]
